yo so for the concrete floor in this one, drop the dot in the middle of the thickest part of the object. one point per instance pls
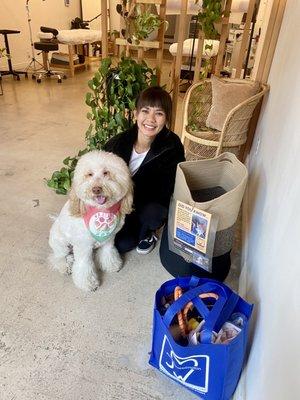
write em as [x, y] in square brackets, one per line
[57, 342]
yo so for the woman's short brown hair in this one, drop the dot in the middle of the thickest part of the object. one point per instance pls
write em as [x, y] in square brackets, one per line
[155, 96]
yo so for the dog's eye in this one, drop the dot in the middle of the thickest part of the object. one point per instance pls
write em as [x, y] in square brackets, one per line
[90, 174]
[106, 173]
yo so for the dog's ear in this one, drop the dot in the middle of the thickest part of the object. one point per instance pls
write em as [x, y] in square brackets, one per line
[76, 206]
[126, 205]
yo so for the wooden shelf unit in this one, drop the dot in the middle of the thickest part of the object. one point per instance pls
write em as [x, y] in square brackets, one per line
[71, 66]
[143, 43]
[158, 44]
[157, 2]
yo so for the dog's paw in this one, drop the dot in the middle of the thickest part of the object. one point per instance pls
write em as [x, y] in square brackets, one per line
[89, 284]
[109, 259]
[112, 265]
[59, 264]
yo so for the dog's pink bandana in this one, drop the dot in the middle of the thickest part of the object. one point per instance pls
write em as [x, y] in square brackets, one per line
[102, 222]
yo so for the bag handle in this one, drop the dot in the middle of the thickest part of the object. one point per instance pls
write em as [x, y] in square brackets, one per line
[182, 315]
[210, 316]
[227, 310]
[217, 317]
[190, 295]
[194, 281]
[211, 319]
[230, 305]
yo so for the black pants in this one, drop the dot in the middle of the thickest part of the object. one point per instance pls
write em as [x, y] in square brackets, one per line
[139, 225]
[177, 266]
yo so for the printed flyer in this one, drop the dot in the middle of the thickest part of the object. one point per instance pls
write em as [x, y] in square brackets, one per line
[191, 228]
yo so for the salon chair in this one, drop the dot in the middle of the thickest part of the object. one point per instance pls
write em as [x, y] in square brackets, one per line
[48, 42]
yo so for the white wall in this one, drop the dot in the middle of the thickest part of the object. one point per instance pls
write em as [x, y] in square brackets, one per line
[114, 16]
[271, 272]
[91, 8]
[262, 17]
[13, 15]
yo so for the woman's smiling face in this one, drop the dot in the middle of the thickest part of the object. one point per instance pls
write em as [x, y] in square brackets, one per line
[150, 121]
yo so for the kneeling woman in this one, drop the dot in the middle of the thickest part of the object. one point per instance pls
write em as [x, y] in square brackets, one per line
[152, 153]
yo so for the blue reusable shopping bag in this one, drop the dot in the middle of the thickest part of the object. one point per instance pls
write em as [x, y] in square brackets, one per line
[209, 370]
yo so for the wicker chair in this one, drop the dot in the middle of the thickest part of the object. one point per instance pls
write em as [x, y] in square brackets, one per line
[204, 142]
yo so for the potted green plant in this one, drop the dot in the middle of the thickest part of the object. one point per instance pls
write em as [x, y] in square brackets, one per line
[140, 22]
[113, 90]
[210, 16]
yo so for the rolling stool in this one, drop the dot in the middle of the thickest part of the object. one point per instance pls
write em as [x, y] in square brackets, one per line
[46, 46]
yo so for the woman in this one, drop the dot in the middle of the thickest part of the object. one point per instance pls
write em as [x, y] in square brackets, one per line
[152, 153]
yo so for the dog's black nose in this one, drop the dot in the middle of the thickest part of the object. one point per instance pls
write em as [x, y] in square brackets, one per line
[96, 189]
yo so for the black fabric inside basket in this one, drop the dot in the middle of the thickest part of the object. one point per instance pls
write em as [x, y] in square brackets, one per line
[207, 194]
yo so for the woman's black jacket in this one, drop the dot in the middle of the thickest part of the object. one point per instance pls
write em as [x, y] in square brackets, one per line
[155, 178]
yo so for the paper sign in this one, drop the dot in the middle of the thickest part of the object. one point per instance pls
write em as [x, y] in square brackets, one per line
[191, 228]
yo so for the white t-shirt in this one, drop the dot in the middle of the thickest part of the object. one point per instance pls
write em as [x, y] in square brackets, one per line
[136, 160]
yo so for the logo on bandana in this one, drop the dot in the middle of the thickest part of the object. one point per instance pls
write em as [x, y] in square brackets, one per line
[190, 371]
[102, 224]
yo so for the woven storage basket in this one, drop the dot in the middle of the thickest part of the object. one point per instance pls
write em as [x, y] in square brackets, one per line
[224, 171]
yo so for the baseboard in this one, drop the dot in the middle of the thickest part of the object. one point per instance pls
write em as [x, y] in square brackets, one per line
[240, 393]
[245, 242]
[21, 66]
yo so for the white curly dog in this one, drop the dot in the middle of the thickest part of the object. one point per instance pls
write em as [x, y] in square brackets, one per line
[100, 197]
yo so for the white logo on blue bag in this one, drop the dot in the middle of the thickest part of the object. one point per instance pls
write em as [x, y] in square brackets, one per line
[190, 371]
